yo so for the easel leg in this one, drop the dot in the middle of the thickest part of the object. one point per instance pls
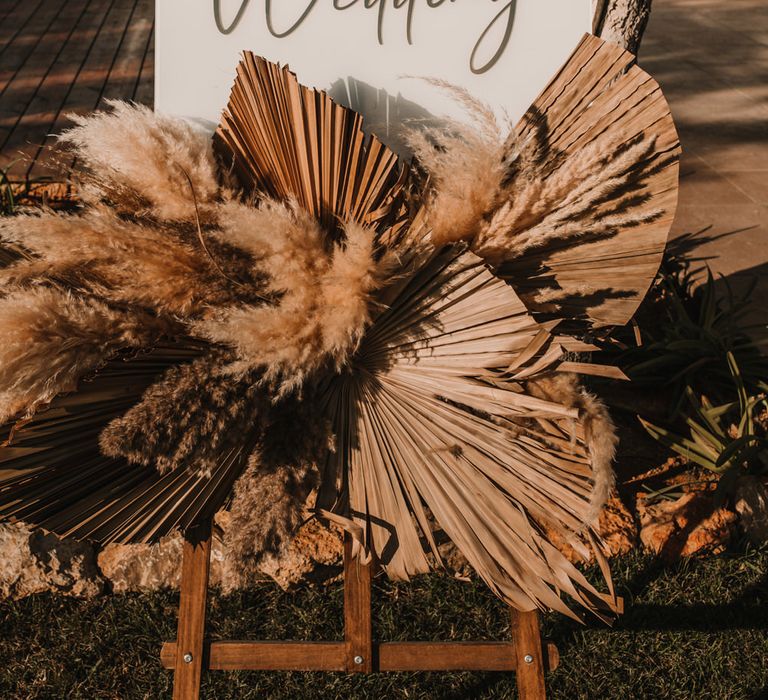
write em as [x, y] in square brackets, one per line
[194, 592]
[357, 612]
[529, 653]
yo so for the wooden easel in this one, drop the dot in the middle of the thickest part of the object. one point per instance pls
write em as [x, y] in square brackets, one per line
[358, 653]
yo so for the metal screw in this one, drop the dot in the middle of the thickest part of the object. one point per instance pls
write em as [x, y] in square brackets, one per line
[358, 660]
[187, 658]
[528, 659]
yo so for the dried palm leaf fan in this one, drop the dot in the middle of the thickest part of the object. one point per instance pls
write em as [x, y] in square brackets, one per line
[287, 140]
[419, 327]
[599, 190]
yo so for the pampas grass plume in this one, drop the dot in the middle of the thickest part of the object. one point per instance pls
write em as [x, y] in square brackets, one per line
[465, 166]
[599, 430]
[189, 418]
[52, 338]
[269, 499]
[159, 157]
[578, 197]
[121, 261]
[324, 294]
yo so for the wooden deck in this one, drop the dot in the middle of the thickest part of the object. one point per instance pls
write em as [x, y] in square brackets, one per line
[65, 56]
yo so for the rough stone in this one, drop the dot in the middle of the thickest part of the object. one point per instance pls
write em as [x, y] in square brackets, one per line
[151, 567]
[315, 554]
[751, 504]
[32, 561]
[689, 525]
[142, 567]
[615, 525]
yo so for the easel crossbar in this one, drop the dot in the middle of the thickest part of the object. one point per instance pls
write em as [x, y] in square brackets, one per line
[191, 652]
[331, 656]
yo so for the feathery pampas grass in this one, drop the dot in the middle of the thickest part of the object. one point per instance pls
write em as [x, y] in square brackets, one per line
[465, 164]
[51, 338]
[599, 430]
[574, 198]
[161, 251]
[157, 158]
[324, 293]
[508, 197]
[269, 501]
[189, 418]
[121, 261]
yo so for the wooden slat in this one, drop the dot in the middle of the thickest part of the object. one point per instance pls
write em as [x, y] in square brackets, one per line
[126, 68]
[20, 33]
[6, 9]
[357, 612]
[234, 655]
[528, 653]
[46, 106]
[89, 86]
[331, 656]
[454, 656]
[60, 57]
[266, 656]
[188, 661]
[145, 85]
[14, 21]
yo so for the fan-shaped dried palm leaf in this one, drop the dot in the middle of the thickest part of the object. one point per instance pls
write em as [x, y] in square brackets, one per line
[593, 180]
[431, 413]
[575, 208]
[291, 142]
[57, 479]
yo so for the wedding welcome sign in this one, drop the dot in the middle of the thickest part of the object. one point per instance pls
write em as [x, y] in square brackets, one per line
[371, 55]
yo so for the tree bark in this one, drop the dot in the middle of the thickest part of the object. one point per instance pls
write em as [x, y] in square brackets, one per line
[621, 21]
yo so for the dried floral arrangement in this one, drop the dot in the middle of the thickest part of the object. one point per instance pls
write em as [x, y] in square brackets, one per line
[290, 309]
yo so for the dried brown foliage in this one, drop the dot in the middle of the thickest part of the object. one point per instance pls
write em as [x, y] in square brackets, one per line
[328, 294]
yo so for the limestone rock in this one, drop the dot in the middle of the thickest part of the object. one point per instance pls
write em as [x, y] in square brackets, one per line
[142, 567]
[615, 525]
[151, 567]
[32, 561]
[689, 525]
[751, 503]
[315, 554]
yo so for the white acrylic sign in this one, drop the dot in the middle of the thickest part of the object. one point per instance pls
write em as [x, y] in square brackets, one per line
[368, 53]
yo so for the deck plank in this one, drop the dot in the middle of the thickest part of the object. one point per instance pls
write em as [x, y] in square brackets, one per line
[17, 101]
[15, 19]
[66, 56]
[145, 87]
[58, 83]
[85, 82]
[6, 8]
[88, 93]
[121, 83]
[20, 45]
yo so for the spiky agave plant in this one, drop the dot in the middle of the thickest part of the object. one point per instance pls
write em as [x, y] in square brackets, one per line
[726, 439]
[298, 314]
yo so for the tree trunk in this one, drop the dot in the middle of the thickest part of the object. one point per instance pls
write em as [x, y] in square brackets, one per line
[621, 21]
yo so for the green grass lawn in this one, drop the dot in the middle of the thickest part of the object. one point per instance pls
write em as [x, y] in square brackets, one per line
[695, 630]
